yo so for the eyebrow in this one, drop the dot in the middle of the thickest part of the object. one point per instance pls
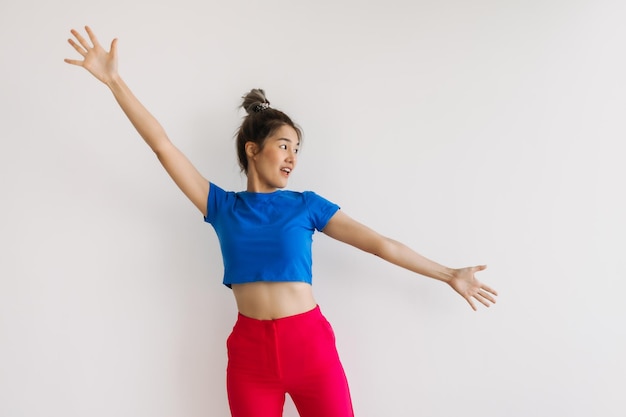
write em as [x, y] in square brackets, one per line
[288, 140]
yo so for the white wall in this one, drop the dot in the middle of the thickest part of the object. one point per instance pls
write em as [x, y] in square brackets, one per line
[476, 132]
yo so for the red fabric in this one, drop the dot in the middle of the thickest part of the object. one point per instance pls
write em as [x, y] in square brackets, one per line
[295, 355]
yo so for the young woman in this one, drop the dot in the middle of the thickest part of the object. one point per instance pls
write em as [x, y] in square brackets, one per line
[281, 343]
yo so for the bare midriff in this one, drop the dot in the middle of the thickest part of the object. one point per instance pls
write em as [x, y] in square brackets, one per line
[273, 300]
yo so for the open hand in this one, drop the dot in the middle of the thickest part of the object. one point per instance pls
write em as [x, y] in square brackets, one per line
[100, 63]
[465, 283]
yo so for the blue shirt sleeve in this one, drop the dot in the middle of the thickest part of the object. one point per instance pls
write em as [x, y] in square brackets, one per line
[320, 209]
[215, 198]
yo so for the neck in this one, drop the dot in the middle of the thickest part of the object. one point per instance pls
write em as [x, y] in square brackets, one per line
[256, 186]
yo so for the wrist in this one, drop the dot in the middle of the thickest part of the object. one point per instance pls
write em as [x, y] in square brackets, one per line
[114, 82]
[447, 275]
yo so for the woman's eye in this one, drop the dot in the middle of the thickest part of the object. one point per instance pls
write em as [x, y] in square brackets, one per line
[283, 146]
[296, 150]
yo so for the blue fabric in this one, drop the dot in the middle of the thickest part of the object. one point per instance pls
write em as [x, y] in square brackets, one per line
[267, 236]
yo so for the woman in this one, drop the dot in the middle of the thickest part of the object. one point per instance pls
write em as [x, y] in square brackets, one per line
[281, 343]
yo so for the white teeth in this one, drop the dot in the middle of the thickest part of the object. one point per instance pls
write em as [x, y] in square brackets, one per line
[287, 170]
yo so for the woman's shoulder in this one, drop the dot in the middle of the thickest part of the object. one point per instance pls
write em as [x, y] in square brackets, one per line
[304, 196]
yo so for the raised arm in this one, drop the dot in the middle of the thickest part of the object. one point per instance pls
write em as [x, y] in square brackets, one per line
[345, 229]
[103, 65]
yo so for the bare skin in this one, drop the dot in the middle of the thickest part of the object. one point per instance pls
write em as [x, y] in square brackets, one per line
[273, 300]
[269, 169]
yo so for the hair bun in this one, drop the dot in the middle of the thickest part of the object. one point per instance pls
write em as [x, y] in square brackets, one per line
[255, 101]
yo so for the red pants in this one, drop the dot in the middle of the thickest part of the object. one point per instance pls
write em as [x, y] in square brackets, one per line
[295, 355]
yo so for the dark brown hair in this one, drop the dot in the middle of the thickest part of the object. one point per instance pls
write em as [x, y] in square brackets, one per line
[259, 124]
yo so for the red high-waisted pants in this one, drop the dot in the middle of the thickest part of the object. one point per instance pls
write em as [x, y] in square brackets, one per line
[295, 355]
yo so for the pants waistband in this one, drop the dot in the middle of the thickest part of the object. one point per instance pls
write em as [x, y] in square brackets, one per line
[299, 318]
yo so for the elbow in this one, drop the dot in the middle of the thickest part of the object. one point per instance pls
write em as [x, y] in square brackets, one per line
[383, 247]
[163, 149]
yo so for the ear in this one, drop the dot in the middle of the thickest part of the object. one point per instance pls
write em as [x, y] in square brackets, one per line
[251, 149]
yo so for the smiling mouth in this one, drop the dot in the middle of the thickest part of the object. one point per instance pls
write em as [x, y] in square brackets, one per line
[286, 170]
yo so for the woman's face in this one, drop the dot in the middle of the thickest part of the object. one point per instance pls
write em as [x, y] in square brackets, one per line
[269, 169]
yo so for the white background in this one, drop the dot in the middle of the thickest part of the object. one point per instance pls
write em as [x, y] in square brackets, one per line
[476, 132]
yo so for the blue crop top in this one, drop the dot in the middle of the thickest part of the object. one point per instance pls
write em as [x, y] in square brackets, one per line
[267, 236]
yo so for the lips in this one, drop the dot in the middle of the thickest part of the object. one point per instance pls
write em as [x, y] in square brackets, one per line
[286, 170]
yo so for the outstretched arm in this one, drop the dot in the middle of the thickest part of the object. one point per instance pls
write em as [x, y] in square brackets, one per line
[103, 65]
[345, 229]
